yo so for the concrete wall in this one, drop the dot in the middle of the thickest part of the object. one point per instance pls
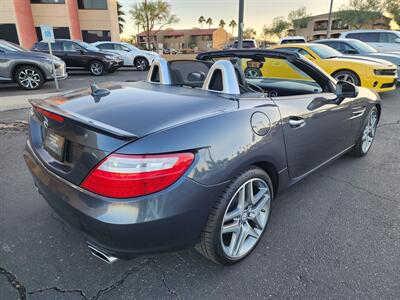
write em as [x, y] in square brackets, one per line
[7, 12]
[220, 38]
[50, 14]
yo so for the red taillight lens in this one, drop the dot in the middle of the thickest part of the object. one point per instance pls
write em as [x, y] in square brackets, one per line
[126, 176]
[49, 114]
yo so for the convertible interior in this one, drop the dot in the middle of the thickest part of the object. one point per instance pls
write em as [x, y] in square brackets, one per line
[251, 75]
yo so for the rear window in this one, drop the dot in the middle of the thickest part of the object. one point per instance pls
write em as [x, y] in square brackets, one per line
[368, 37]
[246, 44]
[294, 41]
[57, 46]
[189, 73]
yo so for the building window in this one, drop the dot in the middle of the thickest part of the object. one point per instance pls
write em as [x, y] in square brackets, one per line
[59, 33]
[48, 1]
[91, 36]
[9, 33]
[92, 4]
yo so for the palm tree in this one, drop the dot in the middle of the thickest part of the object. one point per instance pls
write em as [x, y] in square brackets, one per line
[233, 24]
[121, 19]
[221, 23]
[201, 20]
[209, 22]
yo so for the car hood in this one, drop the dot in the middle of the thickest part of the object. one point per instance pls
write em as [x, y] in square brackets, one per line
[373, 62]
[32, 54]
[138, 108]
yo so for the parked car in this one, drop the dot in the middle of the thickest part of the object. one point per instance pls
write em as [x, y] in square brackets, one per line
[30, 70]
[155, 166]
[170, 51]
[246, 44]
[379, 75]
[132, 56]
[292, 40]
[382, 40]
[360, 49]
[80, 55]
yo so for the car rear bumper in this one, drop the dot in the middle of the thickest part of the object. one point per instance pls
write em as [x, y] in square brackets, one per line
[166, 221]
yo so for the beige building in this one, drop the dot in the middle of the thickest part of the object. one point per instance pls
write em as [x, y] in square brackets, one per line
[317, 26]
[202, 39]
[88, 20]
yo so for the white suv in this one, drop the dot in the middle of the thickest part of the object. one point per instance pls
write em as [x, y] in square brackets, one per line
[133, 57]
[381, 40]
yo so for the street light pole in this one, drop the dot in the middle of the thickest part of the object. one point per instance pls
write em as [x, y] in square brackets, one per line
[328, 31]
[240, 25]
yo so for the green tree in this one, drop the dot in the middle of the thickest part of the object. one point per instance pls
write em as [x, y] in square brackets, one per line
[152, 16]
[299, 17]
[278, 27]
[222, 23]
[201, 20]
[393, 8]
[358, 13]
[249, 33]
[233, 25]
[121, 17]
[209, 22]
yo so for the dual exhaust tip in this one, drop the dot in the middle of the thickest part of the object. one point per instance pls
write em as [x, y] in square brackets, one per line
[101, 255]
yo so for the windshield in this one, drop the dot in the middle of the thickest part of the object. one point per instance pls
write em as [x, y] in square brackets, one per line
[87, 46]
[12, 47]
[362, 47]
[324, 51]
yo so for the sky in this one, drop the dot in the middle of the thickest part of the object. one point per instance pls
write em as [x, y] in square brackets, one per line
[257, 12]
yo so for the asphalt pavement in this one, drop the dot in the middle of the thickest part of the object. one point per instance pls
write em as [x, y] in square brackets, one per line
[334, 235]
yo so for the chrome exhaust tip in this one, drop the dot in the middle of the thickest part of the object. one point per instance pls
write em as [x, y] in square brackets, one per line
[101, 255]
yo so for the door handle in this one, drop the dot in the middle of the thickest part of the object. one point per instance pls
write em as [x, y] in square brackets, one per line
[296, 122]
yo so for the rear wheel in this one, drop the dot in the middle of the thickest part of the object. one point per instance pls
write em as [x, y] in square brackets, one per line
[29, 77]
[238, 219]
[96, 68]
[367, 136]
[347, 75]
[141, 64]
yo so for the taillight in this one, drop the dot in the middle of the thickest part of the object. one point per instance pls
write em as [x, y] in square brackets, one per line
[126, 176]
[49, 114]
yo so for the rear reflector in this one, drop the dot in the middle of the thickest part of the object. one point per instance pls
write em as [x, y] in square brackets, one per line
[127, 176]
[50, 115]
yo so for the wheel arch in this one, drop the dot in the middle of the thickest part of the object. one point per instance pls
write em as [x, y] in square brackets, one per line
[272, 172]
[347, 70]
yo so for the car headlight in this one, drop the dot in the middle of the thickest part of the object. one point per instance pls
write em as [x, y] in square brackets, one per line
[385, 72]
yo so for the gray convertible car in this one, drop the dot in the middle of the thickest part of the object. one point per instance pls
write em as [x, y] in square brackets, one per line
[194, 155]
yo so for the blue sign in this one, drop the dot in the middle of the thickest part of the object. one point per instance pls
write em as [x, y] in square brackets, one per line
[47, 33]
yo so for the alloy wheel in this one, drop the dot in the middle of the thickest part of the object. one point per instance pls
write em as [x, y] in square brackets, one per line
[245, 218]
[345, 77]
[96, 68]
[369, 131]
[29, 78]
[141, 64]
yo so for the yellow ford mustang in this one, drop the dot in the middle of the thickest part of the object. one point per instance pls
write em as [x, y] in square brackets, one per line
[376, 74]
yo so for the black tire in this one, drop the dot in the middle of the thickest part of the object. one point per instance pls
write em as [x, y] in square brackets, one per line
[348, 76]
[96, 68]
[210, 244]
[29, 77]
[141, 64]
[358, 150]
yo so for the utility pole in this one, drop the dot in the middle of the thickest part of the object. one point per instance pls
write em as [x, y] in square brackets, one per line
[240, 25]
[328, 31]
[147, 25]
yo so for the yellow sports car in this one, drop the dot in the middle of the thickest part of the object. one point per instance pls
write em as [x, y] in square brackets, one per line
[376, 74]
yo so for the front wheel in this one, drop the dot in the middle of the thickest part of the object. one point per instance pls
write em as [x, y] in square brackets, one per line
[96, 68]
[238, 219]
[367, 136]
[29, 77]
[141, 64]
[348, 76]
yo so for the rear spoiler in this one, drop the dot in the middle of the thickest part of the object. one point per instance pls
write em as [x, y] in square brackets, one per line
[84, 121]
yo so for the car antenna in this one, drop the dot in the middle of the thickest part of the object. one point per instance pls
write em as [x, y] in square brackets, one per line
[98, 92]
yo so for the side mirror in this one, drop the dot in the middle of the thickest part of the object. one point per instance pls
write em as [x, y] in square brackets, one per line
[397, 40]
[346, 89]
[81, 51]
